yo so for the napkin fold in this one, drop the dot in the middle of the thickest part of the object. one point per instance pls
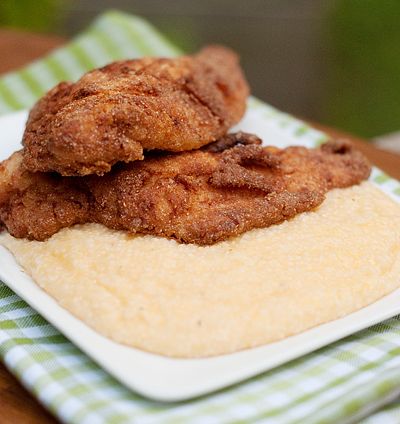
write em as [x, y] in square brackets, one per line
[354, 379]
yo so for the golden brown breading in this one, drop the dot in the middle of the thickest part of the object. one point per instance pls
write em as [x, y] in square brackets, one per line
[111, 114]
[201, 196]
[37, 205]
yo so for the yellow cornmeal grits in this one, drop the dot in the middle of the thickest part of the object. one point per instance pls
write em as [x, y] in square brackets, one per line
[189, 301]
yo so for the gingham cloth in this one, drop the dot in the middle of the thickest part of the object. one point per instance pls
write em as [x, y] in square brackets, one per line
[347, 381]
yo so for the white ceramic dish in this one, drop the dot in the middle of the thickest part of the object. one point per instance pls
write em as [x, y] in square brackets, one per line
[177, 379]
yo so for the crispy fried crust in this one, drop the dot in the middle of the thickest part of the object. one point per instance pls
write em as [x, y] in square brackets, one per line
[113, 113]
[201, 197]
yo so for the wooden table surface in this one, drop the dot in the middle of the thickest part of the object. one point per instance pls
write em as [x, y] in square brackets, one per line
[16, 49]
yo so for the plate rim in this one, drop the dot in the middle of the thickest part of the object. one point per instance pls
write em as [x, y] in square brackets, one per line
[72, 328]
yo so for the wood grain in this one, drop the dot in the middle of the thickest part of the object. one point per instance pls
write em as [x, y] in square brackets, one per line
[17, 405]
[16, 49]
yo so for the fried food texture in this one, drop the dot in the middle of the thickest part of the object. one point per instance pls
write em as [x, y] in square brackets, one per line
[114, 113]
[202, 196]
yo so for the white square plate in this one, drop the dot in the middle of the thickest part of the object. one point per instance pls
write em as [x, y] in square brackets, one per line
[178, 379]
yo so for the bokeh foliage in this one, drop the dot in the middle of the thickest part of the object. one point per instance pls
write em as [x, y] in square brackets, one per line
[36, 15]
[360, 90]
[364, 68]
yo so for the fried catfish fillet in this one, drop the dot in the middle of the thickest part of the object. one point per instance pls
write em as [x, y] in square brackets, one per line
[37, 205]
[113, 113]
[202, 196]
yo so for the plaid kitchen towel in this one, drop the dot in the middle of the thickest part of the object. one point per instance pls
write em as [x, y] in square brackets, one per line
[355, 379]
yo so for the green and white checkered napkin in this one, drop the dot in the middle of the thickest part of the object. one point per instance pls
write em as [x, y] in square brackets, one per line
[344, 382]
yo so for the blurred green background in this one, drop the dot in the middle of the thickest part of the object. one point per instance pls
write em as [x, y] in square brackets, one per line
[333, 61]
